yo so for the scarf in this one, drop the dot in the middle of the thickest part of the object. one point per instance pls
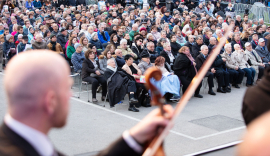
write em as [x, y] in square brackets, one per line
[111, 68]
[190, 58]
[239, 42]
[53, 46]
[180, 39]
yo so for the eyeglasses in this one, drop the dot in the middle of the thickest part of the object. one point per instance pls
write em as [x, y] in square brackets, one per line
[140, 40]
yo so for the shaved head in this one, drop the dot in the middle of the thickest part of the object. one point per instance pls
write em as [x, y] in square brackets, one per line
[37, 85]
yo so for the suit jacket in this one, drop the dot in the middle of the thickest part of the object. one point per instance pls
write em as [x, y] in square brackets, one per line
[255, 60]
[263, 53]
[11, 144]
[195, 50]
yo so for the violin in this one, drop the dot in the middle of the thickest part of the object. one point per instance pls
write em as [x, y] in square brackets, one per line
[155, 148]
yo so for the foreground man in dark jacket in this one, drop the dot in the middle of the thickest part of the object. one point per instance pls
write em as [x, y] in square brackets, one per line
[120, 83]
[48, 103]
[256, 99]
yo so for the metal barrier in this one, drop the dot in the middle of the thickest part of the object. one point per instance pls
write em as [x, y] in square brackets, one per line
[255, 12]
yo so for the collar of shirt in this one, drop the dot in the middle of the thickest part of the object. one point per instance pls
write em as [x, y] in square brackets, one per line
[38, 140]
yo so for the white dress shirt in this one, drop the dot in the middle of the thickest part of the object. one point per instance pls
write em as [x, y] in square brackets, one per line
[39, 141]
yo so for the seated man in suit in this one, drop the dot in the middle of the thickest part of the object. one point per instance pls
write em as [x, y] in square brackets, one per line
[263, 51]
[31, 103]
[210, 74]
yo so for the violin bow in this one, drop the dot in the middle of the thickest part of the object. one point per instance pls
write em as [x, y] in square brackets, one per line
[157, 141]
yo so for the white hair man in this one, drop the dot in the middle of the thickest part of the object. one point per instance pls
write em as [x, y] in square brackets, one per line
[31, 103]
[38, 43]
[126, 50]
[103, 36]
[210, 74]
[236, 74]
[255, 60]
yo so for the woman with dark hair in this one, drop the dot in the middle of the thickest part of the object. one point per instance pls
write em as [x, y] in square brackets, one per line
[70, 48]
[92, 73]
[113, 29]
[218, 8]
[163, 9]
[69, 28]
[93, 48]
[185, 68]
[160, 44]
[137, 47]
[46, 36]
[133, 70]
[114, 40]
[107, 54]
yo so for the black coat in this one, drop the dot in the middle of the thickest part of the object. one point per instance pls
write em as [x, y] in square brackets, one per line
[175, 48]
[55, 4]
[136, 50]
[72, 2]
[62, 40]
[256, 99]
[117, 84]
[219, 64]
[233, 43]
[167, 59]
[153, 55]
[88, 68]
[81, 2]
[189, 45]
[184, 67]
[205, 40]
[199, 61]
[64, 2]
[196, 50]
[210, 48]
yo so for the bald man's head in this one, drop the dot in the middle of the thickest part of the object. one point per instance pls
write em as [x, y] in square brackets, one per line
[256, 141]
[37, 85]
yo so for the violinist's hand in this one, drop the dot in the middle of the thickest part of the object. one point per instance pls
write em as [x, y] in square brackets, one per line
[146, 129]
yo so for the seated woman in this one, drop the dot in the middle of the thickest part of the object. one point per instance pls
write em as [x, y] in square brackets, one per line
[120, 83]
[94, 40]
[184, 68]
[104, 58]
[54, 46]
[92, 73]
[132, 69]
[169, 85]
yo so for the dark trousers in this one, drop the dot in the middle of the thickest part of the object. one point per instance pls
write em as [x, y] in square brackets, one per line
[261, 70]
[185, 82]
[250, 73]
[131, 87]
[223, 78]
[95, 81]
[210, 79]
[236, 76]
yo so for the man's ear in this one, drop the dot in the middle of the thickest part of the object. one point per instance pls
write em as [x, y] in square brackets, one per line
[50, 102]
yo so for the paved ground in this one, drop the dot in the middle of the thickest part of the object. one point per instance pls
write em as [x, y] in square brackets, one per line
[205, 123]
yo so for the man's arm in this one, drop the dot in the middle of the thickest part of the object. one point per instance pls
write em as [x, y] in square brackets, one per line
[139, 135]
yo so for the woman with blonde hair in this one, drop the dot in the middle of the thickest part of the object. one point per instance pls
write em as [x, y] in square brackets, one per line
[185, 68]
[84, 43]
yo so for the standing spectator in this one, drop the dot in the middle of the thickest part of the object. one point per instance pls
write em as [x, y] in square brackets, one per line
[92, 73]
[185, 68]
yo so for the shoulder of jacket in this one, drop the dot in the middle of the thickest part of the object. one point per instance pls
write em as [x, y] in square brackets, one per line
[114, 56]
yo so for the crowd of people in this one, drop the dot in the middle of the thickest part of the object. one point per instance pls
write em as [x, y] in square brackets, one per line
[113, 43]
